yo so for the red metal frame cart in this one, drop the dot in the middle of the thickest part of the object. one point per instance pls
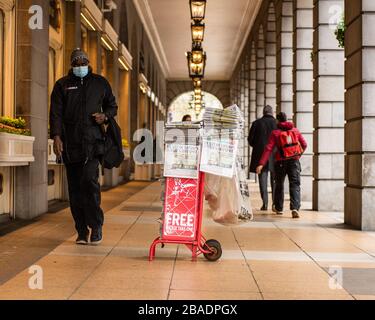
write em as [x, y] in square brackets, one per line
[182, 222]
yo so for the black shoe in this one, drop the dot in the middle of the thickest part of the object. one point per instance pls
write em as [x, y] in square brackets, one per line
[96, 236]
[264, 208]
[83, 238]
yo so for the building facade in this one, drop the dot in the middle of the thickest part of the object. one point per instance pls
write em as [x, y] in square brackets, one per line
[295, 60]
[36, 40]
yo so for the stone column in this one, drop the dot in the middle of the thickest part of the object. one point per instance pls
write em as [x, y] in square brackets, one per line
[303, 86]
[32, 105]
[360, 114]
[328, 172]
[253, 85]
[246, 83]
[111, 177]
[270, 62]
[72, 30]
[252, 95]
[242, 106]
[238, 88]
[94, 52]
[284, 56]
[260, 74]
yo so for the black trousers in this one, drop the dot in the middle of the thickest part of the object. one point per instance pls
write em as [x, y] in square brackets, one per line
[84, 194]
[263, 186]
[292, 169]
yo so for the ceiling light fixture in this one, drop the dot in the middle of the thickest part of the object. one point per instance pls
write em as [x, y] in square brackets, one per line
[197, 32]
[197, 9]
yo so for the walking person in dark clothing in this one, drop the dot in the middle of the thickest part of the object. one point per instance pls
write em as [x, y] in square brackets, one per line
[290, 146]
[81, 103]
[258, 138]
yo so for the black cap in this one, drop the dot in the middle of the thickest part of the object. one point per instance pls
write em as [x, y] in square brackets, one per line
[282, 117]
[78, 54]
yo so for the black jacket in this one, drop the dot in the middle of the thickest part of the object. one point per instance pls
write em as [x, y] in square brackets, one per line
[258, 138]
[73, 102]
[113, 153]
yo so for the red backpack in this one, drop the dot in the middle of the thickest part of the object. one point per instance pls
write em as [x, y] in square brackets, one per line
[289, 145]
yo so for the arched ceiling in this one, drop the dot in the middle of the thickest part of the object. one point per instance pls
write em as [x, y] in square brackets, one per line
[228, 23]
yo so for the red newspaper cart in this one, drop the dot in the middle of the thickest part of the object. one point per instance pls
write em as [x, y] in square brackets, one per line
[183, 207]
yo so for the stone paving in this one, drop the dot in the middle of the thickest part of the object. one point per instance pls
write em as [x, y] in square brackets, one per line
[269, 258]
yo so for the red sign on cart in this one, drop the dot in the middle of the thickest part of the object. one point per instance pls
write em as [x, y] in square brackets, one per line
[181, 207]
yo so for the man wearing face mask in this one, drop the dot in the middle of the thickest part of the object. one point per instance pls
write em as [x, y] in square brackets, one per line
[81, 103]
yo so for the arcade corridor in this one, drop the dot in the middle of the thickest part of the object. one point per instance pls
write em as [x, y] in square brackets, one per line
[312, 59]
[270, 258]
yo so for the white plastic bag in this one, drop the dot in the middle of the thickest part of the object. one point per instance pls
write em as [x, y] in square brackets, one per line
[229, 198]
[211, 190]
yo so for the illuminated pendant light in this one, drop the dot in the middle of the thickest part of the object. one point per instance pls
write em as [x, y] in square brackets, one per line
[197, 9]
[197, 32]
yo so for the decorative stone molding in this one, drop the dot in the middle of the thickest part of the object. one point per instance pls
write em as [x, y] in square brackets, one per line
[143, 83]
[125, 56]
[109, 34]
[16, 150]
[92, 13]
[145, 14]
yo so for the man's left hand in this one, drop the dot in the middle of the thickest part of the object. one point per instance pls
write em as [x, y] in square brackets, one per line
[99, 118]
[259, 170]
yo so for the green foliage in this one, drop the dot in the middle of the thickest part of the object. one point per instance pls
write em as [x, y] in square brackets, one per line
[14, 126]
[340, 32]
[15, 123]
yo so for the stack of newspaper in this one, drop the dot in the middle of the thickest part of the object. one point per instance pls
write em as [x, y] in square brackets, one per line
[222, 132]
[182, 132]
[228, 118]
[219, 122]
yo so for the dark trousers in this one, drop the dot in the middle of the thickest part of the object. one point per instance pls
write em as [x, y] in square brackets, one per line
[84, 194]
[292, 169]
[263, 186]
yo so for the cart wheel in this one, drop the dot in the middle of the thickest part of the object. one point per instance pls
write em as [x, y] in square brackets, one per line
[216, 253]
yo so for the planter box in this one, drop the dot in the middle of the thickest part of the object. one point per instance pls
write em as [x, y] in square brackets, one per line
[16, 150]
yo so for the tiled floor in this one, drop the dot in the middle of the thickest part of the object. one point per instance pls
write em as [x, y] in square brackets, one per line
[269, 258]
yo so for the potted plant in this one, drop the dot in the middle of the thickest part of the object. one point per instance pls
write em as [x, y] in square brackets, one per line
[125, 146]
[340, 32]
[14, 126]
[17, 142]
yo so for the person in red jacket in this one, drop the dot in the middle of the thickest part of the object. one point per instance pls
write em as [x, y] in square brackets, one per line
[290, 145]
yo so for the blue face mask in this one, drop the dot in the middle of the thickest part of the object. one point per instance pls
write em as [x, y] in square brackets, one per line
[81, 72]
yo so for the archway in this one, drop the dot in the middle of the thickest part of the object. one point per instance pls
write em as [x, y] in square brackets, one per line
[183, 105]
